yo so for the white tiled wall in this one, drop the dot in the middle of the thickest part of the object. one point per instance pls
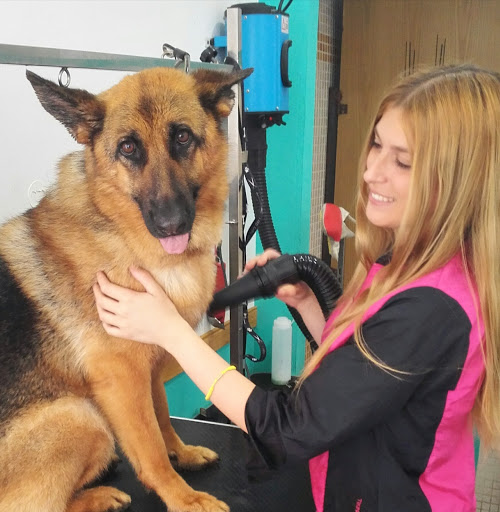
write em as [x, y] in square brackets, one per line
[488, 483]
[323, 81]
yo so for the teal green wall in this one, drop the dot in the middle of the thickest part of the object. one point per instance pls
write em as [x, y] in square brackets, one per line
[184, 398]
[289, 165]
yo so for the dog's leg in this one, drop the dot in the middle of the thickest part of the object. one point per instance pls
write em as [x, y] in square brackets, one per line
[182, 456]
[103, 498]
[122, 388]
[50, 452]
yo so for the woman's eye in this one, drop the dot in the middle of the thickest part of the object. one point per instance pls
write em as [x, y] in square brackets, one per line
[127, 148]
[402, 165]
[183, 136]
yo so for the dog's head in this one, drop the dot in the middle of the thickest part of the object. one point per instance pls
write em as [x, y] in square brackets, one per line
[155, 140]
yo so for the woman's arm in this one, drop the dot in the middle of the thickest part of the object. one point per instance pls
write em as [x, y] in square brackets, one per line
[150, 317]
[309, 309]
[204, 366]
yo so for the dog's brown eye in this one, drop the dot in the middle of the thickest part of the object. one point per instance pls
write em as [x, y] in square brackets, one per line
[183, 136]
[127, 148]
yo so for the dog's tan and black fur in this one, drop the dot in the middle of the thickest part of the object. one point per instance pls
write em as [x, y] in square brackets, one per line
[148, 189]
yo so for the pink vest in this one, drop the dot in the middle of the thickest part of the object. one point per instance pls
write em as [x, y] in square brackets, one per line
[448, 481]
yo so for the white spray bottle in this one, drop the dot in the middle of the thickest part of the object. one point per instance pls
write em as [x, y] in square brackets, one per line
[281, 364]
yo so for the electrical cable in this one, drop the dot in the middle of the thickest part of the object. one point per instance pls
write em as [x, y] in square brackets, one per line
[248, 329]
[287, 6]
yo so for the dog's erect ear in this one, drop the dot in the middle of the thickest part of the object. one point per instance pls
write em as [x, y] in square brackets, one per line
[214, 89]
[81, 112]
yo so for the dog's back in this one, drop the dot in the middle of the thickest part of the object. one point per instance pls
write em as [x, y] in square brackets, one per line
[41, 401]
[21, 381]
[44, 309]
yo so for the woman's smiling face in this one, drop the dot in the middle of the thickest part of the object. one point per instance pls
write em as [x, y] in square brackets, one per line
[387, 175]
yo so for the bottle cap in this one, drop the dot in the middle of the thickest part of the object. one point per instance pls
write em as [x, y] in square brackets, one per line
[282, 322]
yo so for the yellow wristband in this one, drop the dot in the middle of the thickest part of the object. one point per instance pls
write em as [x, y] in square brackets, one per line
[211, 390]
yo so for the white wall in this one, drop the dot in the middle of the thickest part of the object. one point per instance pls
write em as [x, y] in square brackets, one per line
[32, 141]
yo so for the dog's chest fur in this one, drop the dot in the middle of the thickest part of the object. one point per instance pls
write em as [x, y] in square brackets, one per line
[53, 272]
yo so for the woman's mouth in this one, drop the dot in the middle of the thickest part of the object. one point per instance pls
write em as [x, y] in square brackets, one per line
[377, 198]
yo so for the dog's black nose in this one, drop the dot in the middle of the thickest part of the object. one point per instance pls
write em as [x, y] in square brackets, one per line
[168, 226]
[170, 217]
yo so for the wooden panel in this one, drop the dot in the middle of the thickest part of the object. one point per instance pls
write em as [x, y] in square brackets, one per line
[476, 32]
[460, 31]
[215, 338]
[372, 55]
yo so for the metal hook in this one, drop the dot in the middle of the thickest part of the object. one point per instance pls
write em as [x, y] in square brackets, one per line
[168, 51]
[179, 55]
[260, 342]
[186, 60]
[64, 70]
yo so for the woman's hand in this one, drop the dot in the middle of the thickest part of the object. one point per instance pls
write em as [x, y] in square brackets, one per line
[294, 295]
[148, 317]
[298, 296]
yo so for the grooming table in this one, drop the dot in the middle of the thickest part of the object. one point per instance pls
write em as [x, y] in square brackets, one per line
[284, 491]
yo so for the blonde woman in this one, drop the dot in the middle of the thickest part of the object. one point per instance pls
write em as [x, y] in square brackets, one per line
[410, 357]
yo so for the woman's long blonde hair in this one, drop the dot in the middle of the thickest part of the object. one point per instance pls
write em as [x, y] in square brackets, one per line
[451, 119]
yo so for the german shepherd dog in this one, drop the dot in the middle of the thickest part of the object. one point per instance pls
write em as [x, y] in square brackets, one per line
[148, 189]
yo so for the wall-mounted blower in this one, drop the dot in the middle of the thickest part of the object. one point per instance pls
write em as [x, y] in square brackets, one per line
[265, 46]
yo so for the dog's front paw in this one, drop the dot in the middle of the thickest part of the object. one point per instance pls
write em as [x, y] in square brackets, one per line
[100, 499]
[193, 457]
[198, 502]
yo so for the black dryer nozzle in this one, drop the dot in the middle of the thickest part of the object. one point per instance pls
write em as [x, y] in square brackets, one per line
[260, 282]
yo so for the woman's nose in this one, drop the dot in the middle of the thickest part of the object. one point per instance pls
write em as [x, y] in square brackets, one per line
[376, 167]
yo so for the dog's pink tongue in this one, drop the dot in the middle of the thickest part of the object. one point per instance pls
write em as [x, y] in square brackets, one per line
[175, 244]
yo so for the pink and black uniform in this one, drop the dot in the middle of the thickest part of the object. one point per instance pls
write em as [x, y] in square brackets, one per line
[376, 441]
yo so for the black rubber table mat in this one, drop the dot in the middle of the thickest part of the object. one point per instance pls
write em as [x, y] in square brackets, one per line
[285, 491]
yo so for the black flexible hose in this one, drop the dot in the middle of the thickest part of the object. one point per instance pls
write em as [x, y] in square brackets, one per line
[269, 239]
[319, 276]
[321, 279]
[257, 152]
[263, 282]
[266, 227]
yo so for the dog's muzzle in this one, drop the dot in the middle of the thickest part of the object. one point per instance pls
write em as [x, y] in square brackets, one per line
[170, 221]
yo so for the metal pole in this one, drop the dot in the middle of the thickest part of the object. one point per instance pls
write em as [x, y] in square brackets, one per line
[236, 334]
[333, 113]
[55, 57]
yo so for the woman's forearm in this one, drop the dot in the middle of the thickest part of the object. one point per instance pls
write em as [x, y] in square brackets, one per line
[313, 317]
[203, 366]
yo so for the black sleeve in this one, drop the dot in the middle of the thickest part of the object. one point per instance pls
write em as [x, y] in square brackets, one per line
[414, 332]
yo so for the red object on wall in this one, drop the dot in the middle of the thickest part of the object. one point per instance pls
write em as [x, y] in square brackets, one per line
[220, 283]
[332, 221]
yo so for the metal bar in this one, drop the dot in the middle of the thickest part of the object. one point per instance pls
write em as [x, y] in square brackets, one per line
[54, 57]
[236, 334]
